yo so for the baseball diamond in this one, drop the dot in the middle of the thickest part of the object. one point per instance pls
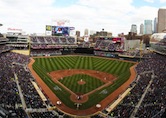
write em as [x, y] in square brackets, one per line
[81, 82]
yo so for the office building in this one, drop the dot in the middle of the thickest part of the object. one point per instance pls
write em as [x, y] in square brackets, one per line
[78, 33]
[142, 29]
[134, 28]
[148, 27]
[155, 25]
[161, 20]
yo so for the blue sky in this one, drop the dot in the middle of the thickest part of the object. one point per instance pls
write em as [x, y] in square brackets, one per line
[114, 16]
[64, 3]
[152, 3]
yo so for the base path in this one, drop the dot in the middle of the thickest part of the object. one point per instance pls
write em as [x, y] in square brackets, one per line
[104, 103]
[60, 74]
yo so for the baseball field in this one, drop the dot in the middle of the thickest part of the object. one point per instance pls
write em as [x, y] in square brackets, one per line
[81, 82]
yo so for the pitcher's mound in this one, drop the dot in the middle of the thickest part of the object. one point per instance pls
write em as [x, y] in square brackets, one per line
[81, 82]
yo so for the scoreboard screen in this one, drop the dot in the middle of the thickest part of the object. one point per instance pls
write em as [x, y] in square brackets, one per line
[60, 31]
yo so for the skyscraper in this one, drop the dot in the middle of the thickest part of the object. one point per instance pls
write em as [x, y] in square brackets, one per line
[86, 32]
[134, 28]
[147, 26]
[142, 29]
[155, 25]
[86, 35]
[161, 20]
[78, 33]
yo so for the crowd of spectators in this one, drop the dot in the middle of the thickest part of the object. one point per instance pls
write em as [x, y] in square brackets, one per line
[4, 48]
[97, 43]
[63, 40]
[160, 46]
[46, 52]
[84, 45]
[55, 39]
[41, 39]
[43, 114]
[154, 102]
[39, 46]
[31, 97]
[104, 45]
[132, 53]
[10, 101]
[111, 47]
[71, 40]
[108, 45]
[52, 40]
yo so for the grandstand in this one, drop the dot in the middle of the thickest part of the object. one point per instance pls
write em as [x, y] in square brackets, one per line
[18, 41]
[108, 44]
[3, 44]
[21, 95]
[158, 43]
[50, 45]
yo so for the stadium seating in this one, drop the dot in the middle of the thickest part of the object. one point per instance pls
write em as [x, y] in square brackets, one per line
[10, 102]
[46, 52]
[154, 103]
[107, 45]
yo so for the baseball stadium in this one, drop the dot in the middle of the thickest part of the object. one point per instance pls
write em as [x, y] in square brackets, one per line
[59, 76]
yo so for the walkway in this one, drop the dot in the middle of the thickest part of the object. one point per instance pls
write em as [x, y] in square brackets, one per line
[142, 97]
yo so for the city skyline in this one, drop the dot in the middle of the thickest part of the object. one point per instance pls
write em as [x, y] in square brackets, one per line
[112, 16]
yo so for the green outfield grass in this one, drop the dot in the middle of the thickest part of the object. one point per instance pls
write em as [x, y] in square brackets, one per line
[91, 83]
[118, 68]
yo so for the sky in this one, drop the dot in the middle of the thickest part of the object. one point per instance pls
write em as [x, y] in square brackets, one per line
[114, 16]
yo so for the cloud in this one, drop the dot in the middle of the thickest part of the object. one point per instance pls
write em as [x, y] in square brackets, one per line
[115, 16]
[162, 1]
[151, 1]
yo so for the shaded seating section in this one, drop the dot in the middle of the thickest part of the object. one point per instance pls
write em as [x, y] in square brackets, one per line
[46, 52]
[43, 115]
[41, 39]
[63, 40]
[34, 39]
[51, 42]
[71, 40]
[55, 39]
